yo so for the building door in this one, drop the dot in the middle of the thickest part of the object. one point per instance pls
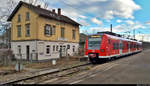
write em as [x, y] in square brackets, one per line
[28, 51]
[60, 51]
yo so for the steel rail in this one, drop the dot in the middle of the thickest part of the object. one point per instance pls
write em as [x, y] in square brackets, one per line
[52, 72]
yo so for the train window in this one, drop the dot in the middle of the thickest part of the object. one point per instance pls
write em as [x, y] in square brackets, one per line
[135, 45]
[130, 45]
[120, 46]
[127, 46]
[117, 46]
[108, 41]
[113, 46]
[123, 46]
[94, 43]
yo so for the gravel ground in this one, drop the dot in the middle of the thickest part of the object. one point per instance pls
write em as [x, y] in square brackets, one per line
[32, 68]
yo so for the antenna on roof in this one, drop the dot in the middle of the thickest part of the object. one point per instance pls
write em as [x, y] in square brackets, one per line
[110, 27]
[31, 1]
[134, 33]
[45, 5]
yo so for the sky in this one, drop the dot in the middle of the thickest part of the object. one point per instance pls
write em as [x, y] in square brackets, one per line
[97, 15]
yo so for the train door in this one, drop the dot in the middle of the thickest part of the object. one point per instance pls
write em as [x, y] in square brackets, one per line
[129, 47]
[108, 48]
[120, 48]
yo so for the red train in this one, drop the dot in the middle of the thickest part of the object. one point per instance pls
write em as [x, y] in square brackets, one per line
[106, 46]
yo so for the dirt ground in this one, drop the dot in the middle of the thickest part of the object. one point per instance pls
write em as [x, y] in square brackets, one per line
[48, 64]
[27, 66]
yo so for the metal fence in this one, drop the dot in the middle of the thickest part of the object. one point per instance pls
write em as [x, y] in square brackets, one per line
[6, 57]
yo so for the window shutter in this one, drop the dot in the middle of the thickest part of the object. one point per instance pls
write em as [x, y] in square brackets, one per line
[45, 30]
[51, 33]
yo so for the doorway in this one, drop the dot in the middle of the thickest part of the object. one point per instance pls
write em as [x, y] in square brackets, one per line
[28, 52]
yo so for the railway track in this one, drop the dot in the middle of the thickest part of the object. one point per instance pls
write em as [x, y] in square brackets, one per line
[49, 74]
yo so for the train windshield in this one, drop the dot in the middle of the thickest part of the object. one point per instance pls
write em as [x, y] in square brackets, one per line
[94, 43]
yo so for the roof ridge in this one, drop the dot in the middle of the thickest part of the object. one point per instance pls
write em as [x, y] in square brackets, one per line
[38, 7]
[43, 12]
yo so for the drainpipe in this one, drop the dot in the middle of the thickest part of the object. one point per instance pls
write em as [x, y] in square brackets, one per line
[36, 38]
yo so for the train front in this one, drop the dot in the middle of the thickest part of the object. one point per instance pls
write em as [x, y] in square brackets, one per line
[92, 47]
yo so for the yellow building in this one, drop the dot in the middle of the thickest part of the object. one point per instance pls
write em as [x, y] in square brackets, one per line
[40, 34]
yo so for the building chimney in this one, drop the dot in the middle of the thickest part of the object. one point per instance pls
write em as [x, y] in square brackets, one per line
[59, 11]
[39, 6]
[53, 10]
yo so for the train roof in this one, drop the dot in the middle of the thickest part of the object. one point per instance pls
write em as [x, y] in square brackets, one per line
[115, 37]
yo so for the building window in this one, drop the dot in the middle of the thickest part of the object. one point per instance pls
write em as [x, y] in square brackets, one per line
[47, 49]
[19, 49]
[27, 16]
[53, 30]
[64, 48]
[68, 46]
[73, 34]
[57, 48]
[62, 32]
[53, 47]
[73, 49]
[60, 48]
[27, 30]
[47, 30]
[19, 30]
[19, 17]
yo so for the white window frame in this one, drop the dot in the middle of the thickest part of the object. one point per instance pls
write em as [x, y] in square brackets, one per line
[47, 28]
[53, 30]
[27, 29]
[48, 47]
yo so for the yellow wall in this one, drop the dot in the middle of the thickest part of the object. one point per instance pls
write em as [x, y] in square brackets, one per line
[37, 27]
[22, 11]
[68, 30]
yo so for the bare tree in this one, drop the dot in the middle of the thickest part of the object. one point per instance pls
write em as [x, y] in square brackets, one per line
[4, 16]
